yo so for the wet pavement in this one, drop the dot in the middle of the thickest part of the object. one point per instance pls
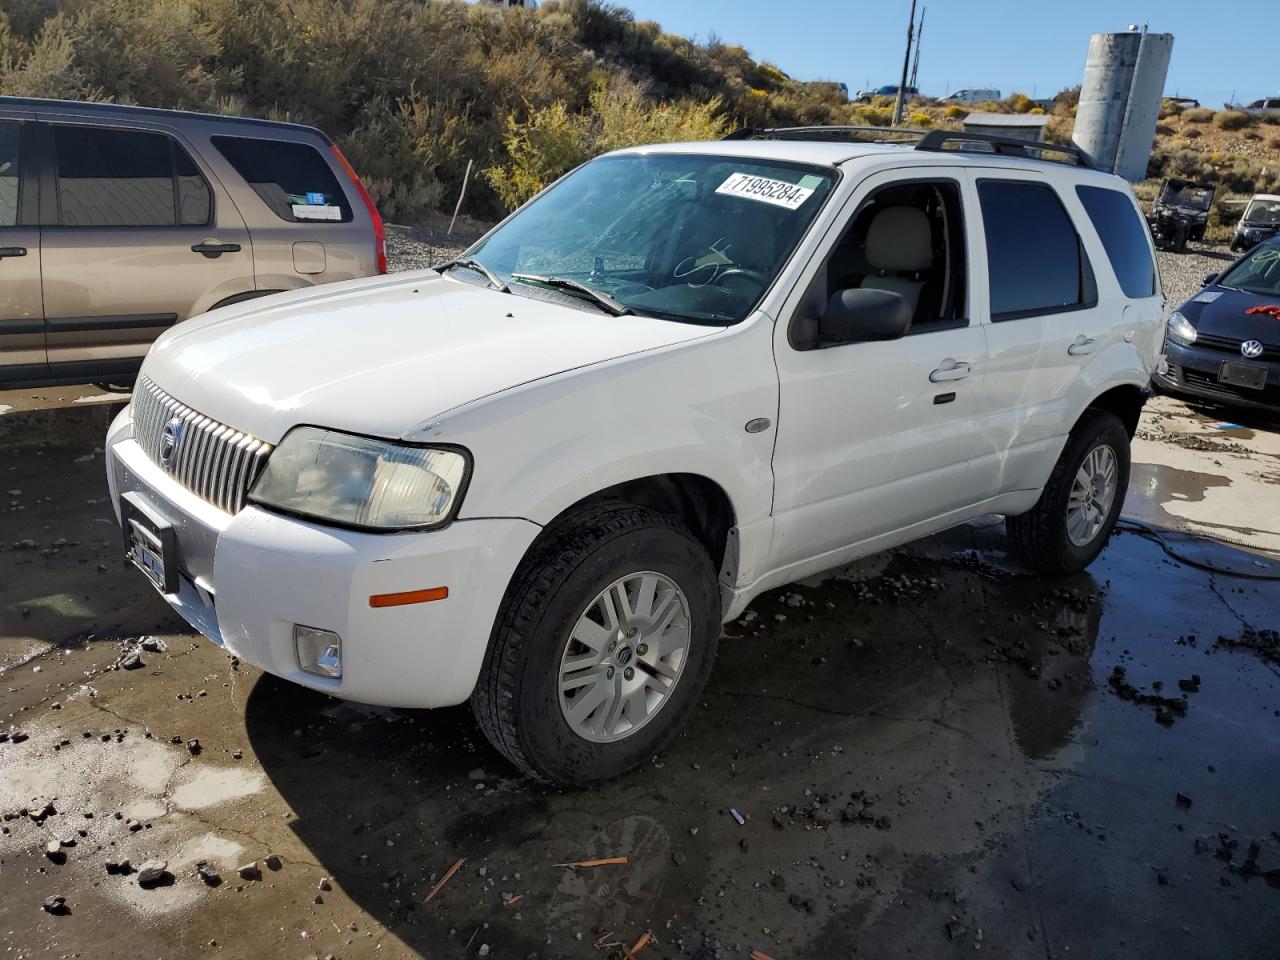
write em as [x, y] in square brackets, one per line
[926, 754]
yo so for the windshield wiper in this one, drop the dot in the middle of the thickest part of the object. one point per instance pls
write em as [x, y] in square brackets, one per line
[471, 263]
[566, 283]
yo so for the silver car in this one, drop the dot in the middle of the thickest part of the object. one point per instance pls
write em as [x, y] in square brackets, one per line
[118, 222]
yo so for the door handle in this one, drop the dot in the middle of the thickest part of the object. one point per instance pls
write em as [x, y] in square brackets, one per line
[1082, 346]
[957, 371]
[212, 249]
[12, 252]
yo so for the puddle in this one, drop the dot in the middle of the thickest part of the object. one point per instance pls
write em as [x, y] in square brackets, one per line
[214, 785]
[1152, 485]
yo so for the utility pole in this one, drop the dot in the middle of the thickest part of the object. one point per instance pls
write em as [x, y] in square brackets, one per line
[915, 67]
[906, 64]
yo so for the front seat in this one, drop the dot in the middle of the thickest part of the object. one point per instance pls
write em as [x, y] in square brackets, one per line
[899, 249]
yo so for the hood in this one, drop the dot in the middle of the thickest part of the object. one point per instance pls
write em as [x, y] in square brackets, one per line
[381, 356]
[1226, 316]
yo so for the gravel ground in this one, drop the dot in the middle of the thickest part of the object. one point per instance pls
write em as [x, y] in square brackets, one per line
[418, 247]
[414, 248]
[1183, 273]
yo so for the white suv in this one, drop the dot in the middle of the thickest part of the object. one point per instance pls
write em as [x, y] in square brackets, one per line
[542, 476]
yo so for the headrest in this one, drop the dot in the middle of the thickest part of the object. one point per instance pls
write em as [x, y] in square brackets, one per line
[899, 238]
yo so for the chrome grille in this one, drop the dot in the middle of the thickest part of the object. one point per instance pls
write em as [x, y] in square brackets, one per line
[212, 460]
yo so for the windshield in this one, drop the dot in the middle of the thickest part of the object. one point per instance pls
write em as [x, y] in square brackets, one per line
[691, 238]
[1266, 212]
[1188, 195]
[1259, 272]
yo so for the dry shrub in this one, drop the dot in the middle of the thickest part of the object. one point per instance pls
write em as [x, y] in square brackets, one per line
[1198, 115]
[1233, 120]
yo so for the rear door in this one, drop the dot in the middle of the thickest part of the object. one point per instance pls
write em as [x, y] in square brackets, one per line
[136, 239]
[307, 224]
[1045, 322]
[22, 348]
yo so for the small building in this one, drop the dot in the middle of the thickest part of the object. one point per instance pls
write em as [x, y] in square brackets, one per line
[1024, 126]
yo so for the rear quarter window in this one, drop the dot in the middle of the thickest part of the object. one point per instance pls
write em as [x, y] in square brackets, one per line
[293, 179]
[1123, 236]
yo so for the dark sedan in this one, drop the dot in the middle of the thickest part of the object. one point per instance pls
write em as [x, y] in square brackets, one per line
[1224, 343]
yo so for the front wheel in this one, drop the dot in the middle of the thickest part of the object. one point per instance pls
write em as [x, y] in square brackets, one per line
[602, 646]
[1077, 510]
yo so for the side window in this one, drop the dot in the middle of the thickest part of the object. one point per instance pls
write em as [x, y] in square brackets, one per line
[1035, 262]
[126, 178]
[908, 239]
[1123, 236]
[10, 133]
[292, 179]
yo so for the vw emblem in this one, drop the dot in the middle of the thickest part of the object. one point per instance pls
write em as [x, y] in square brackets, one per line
[169, 440]
[1251, 349]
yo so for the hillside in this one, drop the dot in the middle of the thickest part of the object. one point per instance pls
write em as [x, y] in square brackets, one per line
[411, 89]
[414, 89]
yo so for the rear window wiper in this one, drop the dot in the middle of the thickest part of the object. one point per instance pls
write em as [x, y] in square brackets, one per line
[471, 263]
[565, 283]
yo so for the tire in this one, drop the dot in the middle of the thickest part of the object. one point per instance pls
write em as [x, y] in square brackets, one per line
[518, 700]
[1040, 538]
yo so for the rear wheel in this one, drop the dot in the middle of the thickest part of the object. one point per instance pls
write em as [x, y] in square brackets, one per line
[602, 646]
[1077, 510]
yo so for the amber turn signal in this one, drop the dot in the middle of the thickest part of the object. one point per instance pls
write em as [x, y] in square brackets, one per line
[409, 596]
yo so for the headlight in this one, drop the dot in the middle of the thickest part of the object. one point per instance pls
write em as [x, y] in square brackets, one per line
[361, 482]
[1180, 330]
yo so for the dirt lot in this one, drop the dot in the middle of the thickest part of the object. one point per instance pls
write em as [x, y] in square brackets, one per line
[926, 754]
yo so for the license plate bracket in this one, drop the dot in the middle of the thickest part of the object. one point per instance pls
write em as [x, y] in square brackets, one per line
[150, 542]
[1248, 375]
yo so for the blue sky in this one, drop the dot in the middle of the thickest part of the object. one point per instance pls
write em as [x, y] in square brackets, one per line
[1035, 46]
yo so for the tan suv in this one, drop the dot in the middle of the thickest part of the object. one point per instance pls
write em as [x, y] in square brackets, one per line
[118, 222]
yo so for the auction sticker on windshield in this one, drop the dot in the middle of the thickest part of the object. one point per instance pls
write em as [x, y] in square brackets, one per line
[778, 192]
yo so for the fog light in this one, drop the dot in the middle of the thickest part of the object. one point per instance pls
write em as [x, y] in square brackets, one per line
[1163, 367]
[319, 651]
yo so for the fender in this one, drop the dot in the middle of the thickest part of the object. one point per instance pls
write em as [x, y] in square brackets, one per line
[542, 447]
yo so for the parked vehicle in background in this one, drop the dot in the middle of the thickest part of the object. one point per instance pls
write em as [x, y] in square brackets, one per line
[543, 477]
[1260, 221]
[1264, 106]
[1186, 103]
[1224, 343]
[889, 90]
[1180, 213]
[118, 222]
[972, 95]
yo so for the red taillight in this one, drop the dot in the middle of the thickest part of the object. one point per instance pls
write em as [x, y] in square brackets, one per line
[379, 235]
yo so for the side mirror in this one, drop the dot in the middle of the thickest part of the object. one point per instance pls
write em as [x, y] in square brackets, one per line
[862, 315]
[1209, 278]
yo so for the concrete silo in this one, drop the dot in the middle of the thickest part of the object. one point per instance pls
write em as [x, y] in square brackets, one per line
[1120, 99]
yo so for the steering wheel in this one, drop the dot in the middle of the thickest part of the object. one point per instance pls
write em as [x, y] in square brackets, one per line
[746, 273]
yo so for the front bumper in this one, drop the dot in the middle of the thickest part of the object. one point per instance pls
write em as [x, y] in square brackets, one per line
[246, 580]
[1193, 371]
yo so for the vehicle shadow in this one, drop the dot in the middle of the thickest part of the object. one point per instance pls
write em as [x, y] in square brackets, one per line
[1246, 417]
[830, 704]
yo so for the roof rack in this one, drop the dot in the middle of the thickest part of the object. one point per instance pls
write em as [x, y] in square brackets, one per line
[856, 134]
[934, 141]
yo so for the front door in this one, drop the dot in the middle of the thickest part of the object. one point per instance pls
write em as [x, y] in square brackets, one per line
[874, 438]
[137, 241]
[22, 348]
